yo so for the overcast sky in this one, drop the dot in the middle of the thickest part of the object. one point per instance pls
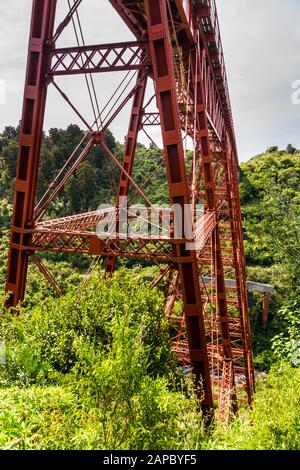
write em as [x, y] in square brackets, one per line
[261, 41]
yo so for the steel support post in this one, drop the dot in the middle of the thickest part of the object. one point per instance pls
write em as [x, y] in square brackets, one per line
[165, 87]
[231, 171]
[210, 192]
[38, 65]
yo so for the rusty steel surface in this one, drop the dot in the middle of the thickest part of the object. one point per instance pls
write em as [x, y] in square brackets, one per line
[178, 48]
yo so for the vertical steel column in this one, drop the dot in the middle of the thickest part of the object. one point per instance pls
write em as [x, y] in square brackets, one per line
[38, 65]
[165, 88]
[135, 125]
[231, 171]
[210, 192]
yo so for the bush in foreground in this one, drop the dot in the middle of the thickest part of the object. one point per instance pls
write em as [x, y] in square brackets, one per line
[94, 370]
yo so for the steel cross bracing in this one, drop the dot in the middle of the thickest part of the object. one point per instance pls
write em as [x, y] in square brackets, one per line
[178, 48]
[95, 59]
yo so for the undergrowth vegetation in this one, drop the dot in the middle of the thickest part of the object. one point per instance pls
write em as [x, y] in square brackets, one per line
[94, 369]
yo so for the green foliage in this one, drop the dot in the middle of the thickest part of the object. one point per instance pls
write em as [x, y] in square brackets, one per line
[148, 166]
[270, 198]
[95, 371]
[272, 149]
[58, 145]
[286, 345]
[274, 423]
[136, 410]
[94, 180]
[81, 188]
[54, 329]
[291, 150]
[5, 218]
[5, 215]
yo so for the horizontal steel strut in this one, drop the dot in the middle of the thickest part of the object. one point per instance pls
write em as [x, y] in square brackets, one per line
[100, 58]
[178, 47]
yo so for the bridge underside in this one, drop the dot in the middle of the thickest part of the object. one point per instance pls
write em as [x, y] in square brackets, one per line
[178, 50]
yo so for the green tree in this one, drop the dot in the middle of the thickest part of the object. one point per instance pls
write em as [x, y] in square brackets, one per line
[291, 150]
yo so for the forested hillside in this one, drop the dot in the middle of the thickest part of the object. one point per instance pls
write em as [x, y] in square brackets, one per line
[90, 370]
[270, 197]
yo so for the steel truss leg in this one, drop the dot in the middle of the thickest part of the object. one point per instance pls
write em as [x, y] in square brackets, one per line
[43, 269]
[164, 76]
[210, 192]
[135, 125]
[38, 65]
[231, 169]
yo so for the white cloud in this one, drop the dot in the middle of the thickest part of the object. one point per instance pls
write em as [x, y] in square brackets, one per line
[261, 42]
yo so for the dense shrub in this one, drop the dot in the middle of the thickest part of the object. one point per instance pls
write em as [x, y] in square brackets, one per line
[274, 423]
[95, 370]
[49, 336]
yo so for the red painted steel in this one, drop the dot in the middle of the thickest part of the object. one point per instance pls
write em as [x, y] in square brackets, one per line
[165, 81]
[178, 47]
[117, 57]
[41, 33]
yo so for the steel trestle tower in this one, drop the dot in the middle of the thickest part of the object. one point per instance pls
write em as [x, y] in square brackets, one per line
[178, 50]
